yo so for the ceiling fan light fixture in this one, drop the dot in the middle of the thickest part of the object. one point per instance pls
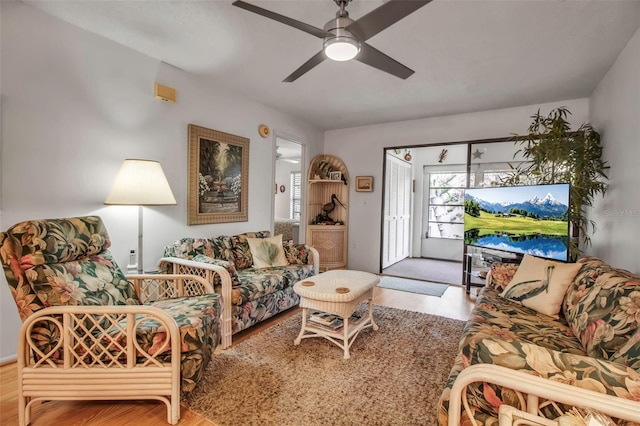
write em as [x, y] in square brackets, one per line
[341, 48]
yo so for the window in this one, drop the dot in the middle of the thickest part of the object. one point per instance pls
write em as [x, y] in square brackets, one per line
[294, 202]
[498, 177]
[446, 204]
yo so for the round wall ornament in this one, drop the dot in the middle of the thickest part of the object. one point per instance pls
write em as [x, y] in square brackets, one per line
[264, 130]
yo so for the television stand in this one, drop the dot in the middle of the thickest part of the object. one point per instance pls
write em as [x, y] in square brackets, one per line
[500, 258]
[476, 264]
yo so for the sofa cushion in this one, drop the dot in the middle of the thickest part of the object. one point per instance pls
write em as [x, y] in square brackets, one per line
[229, 266]
[496, 317]
[255, 311]
[196, 316]
[256, 283]
[60, 240]
[604, 309]
[240, 248]
[267, 252]
[582, 283]
[93, 280]
[187, 248]
[541, 284]
[629, 353]
[501, 275]
[222, 248]
[297, 254]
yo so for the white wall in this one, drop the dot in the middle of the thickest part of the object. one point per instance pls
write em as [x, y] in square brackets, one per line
[615, 112]
[362, 150]
[75, 105]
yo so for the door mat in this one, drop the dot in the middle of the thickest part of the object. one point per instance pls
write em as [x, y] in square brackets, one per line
[413, 286]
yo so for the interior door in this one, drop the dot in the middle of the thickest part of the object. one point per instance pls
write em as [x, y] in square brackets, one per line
[397, 211]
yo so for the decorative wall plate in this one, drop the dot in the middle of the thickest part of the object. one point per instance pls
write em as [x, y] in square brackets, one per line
[264, 130]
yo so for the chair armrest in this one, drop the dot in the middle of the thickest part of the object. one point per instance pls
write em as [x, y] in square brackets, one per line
[315, 258]
[154, 287]
[208, 271]
[100, 337]
[521, 381]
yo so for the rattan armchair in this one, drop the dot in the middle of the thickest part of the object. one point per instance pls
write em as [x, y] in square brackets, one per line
[89, 333]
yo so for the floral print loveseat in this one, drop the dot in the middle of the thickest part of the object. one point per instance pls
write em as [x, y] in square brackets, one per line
[86, 326]
[249, 294]
[595, 344]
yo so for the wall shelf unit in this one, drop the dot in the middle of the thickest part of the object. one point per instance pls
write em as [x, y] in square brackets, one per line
[328, 235]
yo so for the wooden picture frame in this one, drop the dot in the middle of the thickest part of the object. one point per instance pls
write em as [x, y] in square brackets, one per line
[364, 183]
[218, 184]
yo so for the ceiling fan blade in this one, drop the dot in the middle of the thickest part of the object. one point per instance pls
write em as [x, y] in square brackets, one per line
[376, 59]
[384, 16]
[315, 60]
[281, 18]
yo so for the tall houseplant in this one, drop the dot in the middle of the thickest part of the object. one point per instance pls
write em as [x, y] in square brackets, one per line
[554, 153]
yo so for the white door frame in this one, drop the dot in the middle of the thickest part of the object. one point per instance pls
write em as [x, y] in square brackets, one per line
[303, 174]
[400, 219]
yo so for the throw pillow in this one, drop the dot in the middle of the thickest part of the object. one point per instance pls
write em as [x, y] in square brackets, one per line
[267, 252]
[241, 254]
[541, 284]
[604, 315]
[296, 254]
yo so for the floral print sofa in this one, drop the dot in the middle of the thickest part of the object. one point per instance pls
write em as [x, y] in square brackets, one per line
[249, 294]
[594, 344]
[87, 325]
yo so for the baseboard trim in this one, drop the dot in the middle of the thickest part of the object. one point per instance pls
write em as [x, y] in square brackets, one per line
[8, 360]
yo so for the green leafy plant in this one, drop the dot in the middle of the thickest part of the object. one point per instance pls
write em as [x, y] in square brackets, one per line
[553, 153]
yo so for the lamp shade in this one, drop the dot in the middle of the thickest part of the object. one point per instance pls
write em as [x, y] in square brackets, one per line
[140, 183]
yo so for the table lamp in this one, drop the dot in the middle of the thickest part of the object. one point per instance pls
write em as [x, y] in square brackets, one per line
[140, 183]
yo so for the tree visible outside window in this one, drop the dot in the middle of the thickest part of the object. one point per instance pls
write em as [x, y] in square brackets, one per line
[296, 190]
[446, 204]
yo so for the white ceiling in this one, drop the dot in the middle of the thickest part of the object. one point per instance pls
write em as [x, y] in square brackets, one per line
[467, 55]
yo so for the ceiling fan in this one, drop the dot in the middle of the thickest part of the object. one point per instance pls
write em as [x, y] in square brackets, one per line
[345, 39]
[279, 157]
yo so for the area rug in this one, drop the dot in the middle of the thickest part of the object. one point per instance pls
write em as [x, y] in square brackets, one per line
[394, 377]
[413, 286]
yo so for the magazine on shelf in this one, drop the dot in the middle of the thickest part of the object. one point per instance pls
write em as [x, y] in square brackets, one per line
[331, 322]
[324, 318]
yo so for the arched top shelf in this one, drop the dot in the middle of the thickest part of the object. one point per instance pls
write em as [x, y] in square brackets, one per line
[323, 165]
[328, 210]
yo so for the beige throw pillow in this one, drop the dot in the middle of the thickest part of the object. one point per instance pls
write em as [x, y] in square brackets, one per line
[267, 252]
[541, 284]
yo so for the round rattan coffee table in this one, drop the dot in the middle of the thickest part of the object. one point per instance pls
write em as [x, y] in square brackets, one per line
[336, 292]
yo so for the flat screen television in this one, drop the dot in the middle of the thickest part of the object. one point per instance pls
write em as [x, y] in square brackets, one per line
[532, 219]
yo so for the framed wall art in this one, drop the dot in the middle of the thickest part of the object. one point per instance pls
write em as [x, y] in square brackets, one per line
[364, 183]
[218, 183]
[335, 175]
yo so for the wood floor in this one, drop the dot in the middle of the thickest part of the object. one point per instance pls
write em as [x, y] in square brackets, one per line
[453, 304]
